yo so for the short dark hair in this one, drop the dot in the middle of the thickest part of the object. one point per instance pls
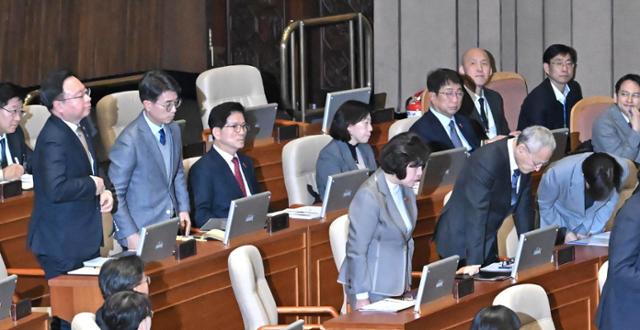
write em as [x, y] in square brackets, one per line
[156, 82]
[603, 174]
[496, 317]
[219, 114]
[51, 86]
[440, 77]
[559, 49]
[349, 113]
[124, 310]
[629, 76]
[405, 149]
[9, 91]
[122, 274]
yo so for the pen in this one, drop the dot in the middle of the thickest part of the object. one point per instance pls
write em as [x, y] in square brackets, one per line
[15, 160]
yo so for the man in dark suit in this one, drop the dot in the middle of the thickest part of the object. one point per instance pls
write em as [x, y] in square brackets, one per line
[66, 225]
[550, 103]
[442, 127]
[480, 104]
[14, 153]
[494, 183]
[222, 174]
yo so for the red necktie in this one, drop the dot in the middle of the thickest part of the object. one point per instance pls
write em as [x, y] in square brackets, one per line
[238, 175]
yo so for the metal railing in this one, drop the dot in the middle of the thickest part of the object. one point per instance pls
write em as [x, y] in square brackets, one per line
[289, 49]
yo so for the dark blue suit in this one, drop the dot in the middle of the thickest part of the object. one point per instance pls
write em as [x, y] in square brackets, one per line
[432, 132]
[213, 186]
[19, 148]
[542, 108]
[66, 225]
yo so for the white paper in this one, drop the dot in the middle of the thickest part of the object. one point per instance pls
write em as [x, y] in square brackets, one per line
[388, 305]
[498, 267]
[305, 212]
[93, 271]
[601, 239]
[95, 262]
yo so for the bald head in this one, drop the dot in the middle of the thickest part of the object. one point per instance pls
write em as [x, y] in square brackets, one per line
[476, 65]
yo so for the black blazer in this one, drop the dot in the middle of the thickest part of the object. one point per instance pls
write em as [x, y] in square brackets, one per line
[19, 148]
[480, 201]
[432, 132]
[213, 186]
[495, 102]
[540, 107]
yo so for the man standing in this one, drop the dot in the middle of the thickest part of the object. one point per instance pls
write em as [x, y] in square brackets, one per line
[146, 163]
[15, 155]
[66, 226]
[550, 103]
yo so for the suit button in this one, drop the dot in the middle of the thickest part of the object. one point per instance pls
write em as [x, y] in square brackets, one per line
[168, 212]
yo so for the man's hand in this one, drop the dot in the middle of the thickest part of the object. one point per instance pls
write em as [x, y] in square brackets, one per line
[132, 241]
[185, 222]
[496, 138]
[106, 201]
[13, 172]
[99, 184]
[634, 118]
[570, 236]
[469, 270]
[361, 303]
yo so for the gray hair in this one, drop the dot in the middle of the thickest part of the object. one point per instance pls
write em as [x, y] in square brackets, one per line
[537, 137]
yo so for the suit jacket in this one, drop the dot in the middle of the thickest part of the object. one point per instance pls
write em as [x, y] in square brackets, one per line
[561, 197]
[541, 107]
[618, 307]
[435, 136]
[379, 248]
[19, 148]
[144, 193]
[336, 158]
[612, 134]
[66, 221]
[495, 102]
[213, 185]
[480, 201]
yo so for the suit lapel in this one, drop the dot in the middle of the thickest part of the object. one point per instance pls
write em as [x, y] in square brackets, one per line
[248, 173]
[151, 146]
[229, 177]
[390, 205]
[14, 145]
[576, 186]
[440, 134]
[345, 153]
[72, 137]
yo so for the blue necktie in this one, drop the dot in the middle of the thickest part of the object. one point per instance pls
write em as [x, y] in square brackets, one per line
[455, 139]
[514, 186]
[163, 138]
[3, 156]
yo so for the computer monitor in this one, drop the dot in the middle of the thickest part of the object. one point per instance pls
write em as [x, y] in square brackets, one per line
[561, 136]
[341, 188]
[7, 288]
[442, 168]
[436, 280]
[157, 241]
[534, 248]
[261, 118]
[336, 99]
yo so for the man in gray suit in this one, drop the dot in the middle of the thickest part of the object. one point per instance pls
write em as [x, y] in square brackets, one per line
[617, 130]
[146, 163]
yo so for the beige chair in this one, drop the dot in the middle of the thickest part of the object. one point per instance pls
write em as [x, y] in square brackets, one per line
[338, 235]
[254, 298]
[238, 83]
[186, 164]
[33, 121]
[513, 89]
[401, 126]
[531, 304]
[507, 238]
[84, 321]
[583, 114]
[628, 186]
[299, 159]
[602, 274]
[113, 113]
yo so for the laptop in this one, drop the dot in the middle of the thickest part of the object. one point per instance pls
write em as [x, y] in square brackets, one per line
[561, 135]
[157, 241]
[7, 288]
[534, 248]
[442, 168]
[436, 280]
[336, 99]
[341, 188]
[261, 118]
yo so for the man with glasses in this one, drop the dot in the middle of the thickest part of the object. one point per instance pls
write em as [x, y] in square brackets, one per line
[146, 163]
[14, 153]
[494, 183]
[222, 174]
[550, 103]
[442, 127]
[617, 130]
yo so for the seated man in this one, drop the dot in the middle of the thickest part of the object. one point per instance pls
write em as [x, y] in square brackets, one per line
[14, 153]
[550, 103]
[579, 193]
[617, 130]
[442, 127]
[494, 183]
[222, 174]
[126, 310]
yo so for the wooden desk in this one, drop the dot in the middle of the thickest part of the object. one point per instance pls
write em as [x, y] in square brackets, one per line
[35, 321]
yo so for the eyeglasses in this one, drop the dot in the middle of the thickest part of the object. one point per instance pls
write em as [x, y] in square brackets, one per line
[536, 165]
[170, 104]
[86, 91]
[627, 94]
[13, 112]
[147, 279]
[238, 127]
[560, 63]
[451, 94]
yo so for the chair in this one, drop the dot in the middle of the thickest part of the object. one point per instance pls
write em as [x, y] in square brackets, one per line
[583, 115]
[186, 164]
[602, 274]
[338, 235]
[114, 112]
[238, 83]
[23, 272]
[507, 238]
[33, 122]
[401, 126]
[299, 159]
[250, 287]
[84, 321]
[513, 89]
[531, 304]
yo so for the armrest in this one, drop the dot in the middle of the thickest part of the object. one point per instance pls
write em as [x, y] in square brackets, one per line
[284, 326]
[416, 274]
[26, 271]
[308, 310]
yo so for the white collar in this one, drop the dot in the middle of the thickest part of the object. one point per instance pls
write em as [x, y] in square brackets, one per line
[560, 96]
[511, 147]
[225, 155]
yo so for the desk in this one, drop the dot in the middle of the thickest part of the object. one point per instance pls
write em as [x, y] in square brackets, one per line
[34, 321]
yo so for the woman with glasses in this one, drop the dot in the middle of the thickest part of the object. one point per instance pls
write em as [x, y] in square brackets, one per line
[349, 150]
[382, 217]
[14, 152]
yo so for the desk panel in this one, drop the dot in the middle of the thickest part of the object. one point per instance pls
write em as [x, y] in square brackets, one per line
[35, 321]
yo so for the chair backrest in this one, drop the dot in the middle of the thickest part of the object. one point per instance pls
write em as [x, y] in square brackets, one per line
[338, 234]
[401, 126]
[531, 304]
[33, 122]
[238, 83]
[84, 321]
[602, 274]
[513, 89]
[114, 112]
[583, 114]
[299, 159]
[3, 268]
[187, 163]
[507, 238]
[250, 288]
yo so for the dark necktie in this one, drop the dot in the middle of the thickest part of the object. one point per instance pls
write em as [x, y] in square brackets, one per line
[238, 175]
[483, 115]
[3, 156]
[514, 186]
[455, 139]
[163, 137]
